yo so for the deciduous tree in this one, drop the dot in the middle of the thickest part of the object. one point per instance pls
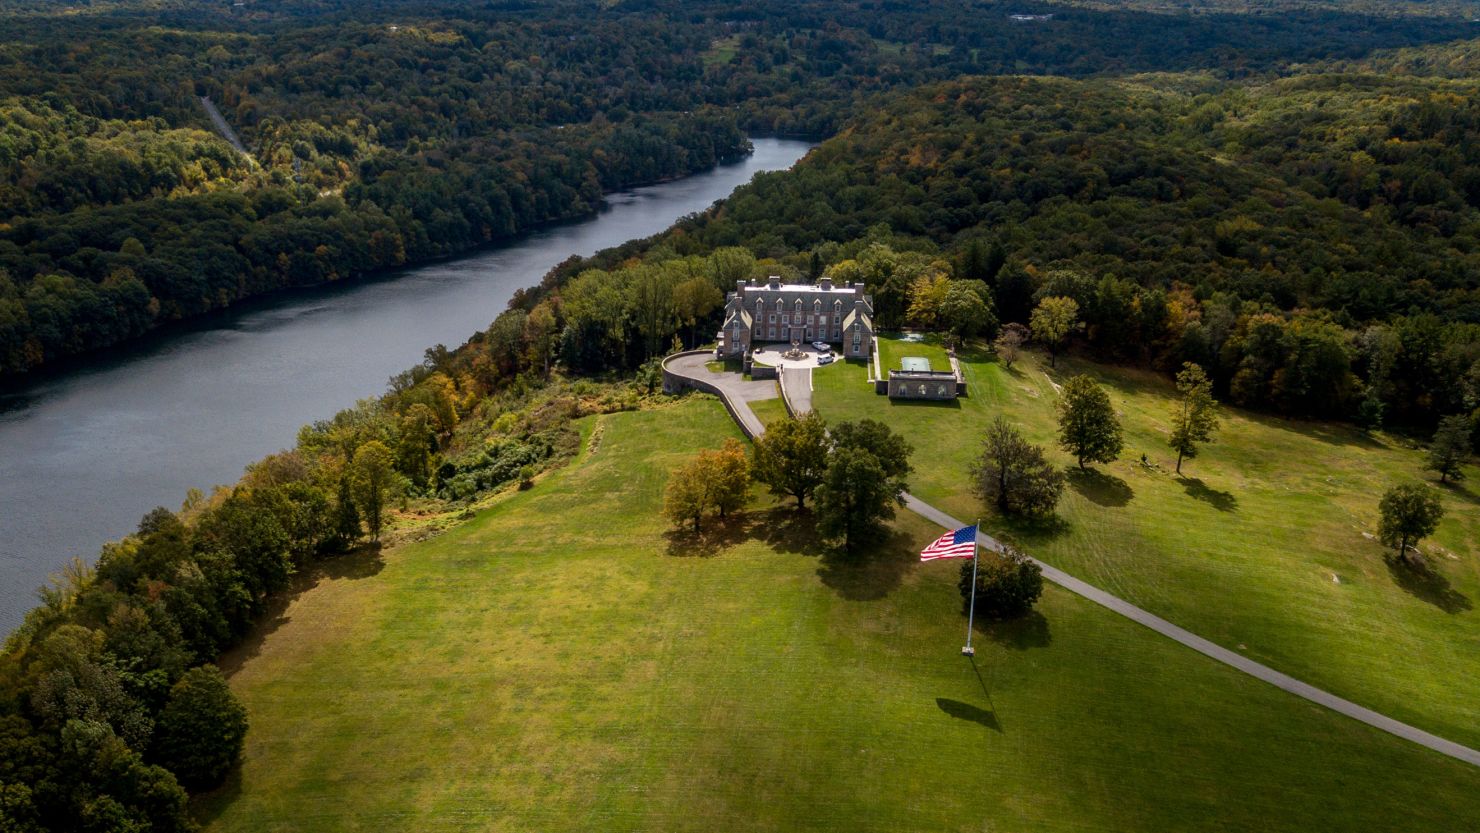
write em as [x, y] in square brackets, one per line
[1009, 343]
[1014, 475]
[730, 469]
[966, 309]
[1088, 427]
[863, 482]
[1195, 414]
[694, 299]
[372, 476]
[1052, 322]
[200, 731]
[1007, 584]
[687, 494]
[791, 456]
[1408, 512]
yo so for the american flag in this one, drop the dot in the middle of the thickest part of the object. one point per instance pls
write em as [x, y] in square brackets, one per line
[960, 543]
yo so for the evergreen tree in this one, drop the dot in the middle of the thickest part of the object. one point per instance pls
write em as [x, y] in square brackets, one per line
[1450, 448]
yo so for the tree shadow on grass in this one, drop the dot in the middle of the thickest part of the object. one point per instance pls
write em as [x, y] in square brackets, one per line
[208, 806]
[872, 572]
[1459, 491]
[1331, 433]
[1020, 634]
[1099, 487]
[716, 536]
[1031, 531]
[966, 711]
[1419, 579]
[786, 529]
[1198, 490]
[361, 562]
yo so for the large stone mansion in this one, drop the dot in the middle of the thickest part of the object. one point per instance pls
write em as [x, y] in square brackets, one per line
[798, 312]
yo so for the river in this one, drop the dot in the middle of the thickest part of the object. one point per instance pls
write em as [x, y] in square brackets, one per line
[85, 454]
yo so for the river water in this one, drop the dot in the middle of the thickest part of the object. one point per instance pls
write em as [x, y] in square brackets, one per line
[84, 455]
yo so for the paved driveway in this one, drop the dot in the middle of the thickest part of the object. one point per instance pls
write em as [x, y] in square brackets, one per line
[797, 382]
[736, 389]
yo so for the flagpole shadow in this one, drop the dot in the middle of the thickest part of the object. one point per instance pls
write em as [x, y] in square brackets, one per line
[965, 711]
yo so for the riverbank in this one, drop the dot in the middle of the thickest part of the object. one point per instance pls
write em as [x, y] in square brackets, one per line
[90, 451]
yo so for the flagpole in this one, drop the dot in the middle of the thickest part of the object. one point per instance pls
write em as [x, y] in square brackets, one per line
[971, 609]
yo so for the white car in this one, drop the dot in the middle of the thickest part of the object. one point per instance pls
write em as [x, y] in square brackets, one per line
[825, 359]
[822, 346]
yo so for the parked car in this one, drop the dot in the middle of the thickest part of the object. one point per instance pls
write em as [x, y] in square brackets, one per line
[759, 348]
[822, 346]
[825, 359]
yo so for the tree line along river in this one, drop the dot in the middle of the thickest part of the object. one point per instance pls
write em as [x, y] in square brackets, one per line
[85, 454]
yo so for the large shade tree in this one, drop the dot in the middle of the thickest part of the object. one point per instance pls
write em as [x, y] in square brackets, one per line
[791, 457]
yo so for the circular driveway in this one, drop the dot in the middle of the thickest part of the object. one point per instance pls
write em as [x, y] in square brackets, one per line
[770, 356]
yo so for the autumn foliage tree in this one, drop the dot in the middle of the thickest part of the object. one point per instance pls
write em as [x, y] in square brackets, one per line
[714, 480]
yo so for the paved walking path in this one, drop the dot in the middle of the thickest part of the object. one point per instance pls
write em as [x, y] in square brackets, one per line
[736, 390]
[1181, 635]
[1217, 652]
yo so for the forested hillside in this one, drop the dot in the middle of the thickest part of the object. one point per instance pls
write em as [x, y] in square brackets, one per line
[390, 132]
[1314, 240]
[1289, 199]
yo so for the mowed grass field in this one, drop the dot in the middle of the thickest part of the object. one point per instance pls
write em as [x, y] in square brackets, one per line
[563, 663]
[1261, 545]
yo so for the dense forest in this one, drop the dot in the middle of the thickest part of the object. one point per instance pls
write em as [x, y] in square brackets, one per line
[386, 133]
[1314, 241]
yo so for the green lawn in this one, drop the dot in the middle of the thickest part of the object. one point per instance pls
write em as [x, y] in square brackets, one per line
[561, 662]
[769, 410]
[1261, 545]
[892, 350]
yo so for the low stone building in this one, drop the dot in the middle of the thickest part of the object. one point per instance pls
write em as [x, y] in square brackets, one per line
[757, 313]
[916, 379]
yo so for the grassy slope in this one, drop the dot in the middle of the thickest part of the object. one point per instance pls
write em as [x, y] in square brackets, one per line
[556, 664]
[1244, 547]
